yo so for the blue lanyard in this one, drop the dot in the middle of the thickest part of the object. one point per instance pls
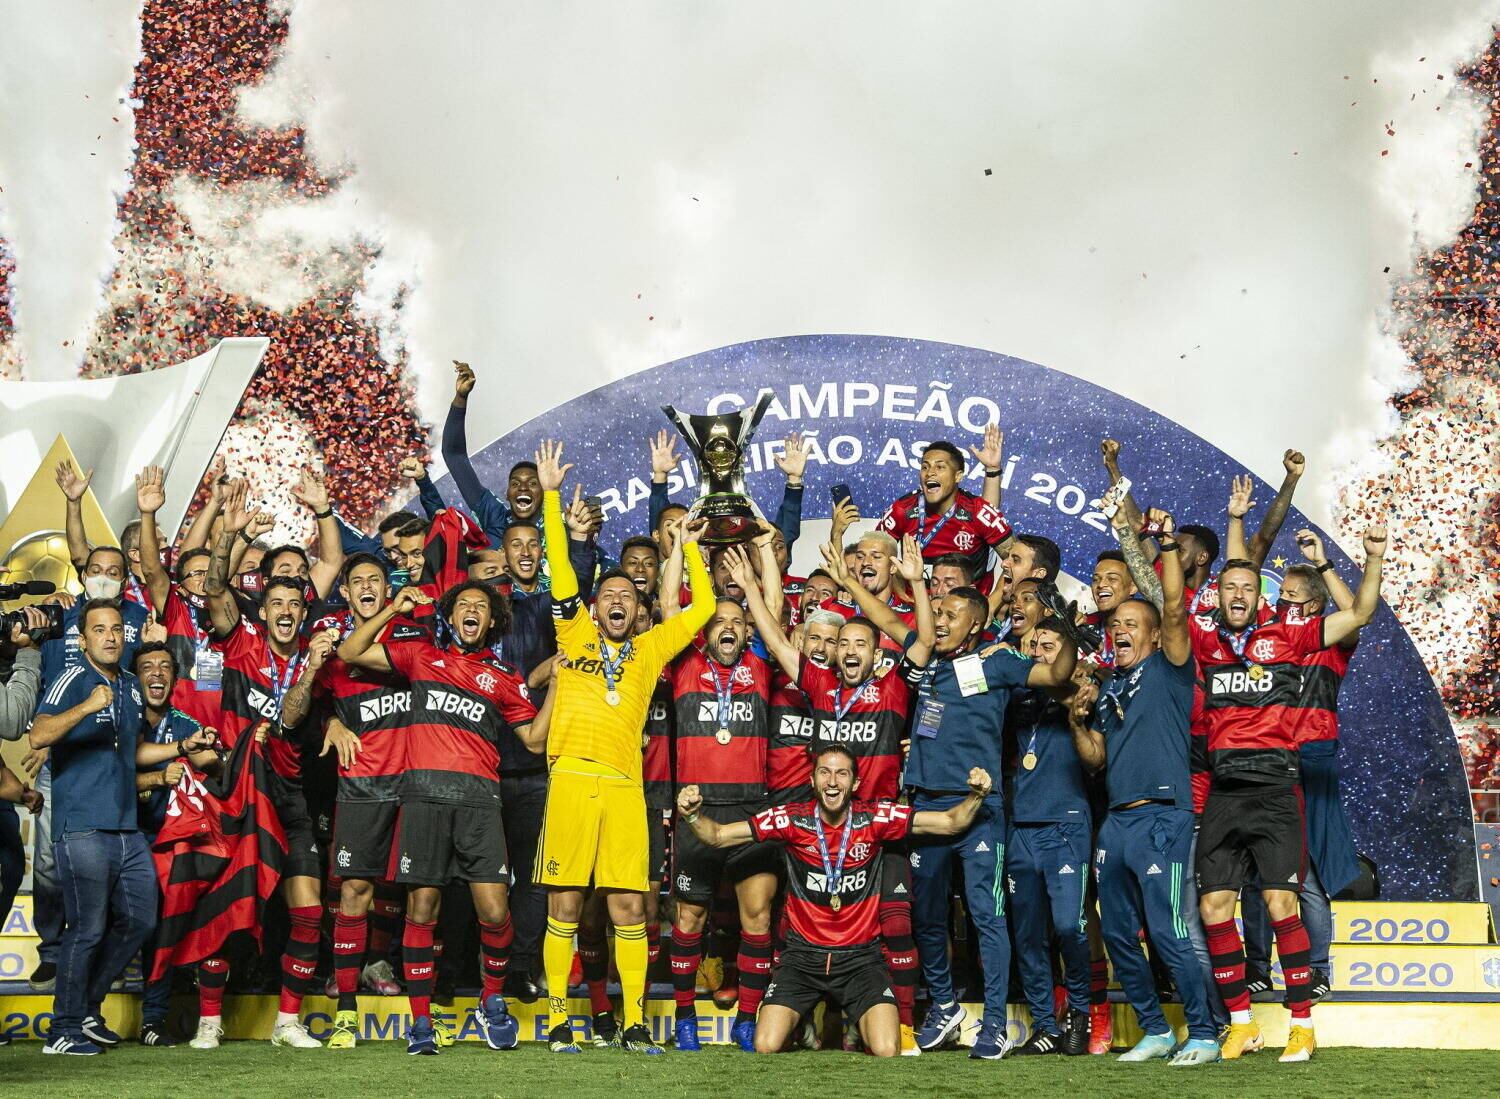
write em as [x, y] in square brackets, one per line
[612, 665]
[1238, 641]
[832, 871]
[281, 683]
[723, 692]
[840, 707]
[923, 539]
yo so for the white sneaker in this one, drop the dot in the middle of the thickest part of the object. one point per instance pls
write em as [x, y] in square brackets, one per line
[379, 978]
[293, 1033]
[209, 1033]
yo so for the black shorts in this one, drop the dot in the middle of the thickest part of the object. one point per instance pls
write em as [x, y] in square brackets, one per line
[1254, 834]
[303, 857]
[856, 979]
[656, 829]
[697, 869]
[438, 842]
[363, 832]
[895, 875]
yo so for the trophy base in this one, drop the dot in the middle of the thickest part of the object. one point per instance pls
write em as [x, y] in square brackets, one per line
[731, 517]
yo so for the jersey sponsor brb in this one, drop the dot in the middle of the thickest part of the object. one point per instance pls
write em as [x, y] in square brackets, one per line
[374, 706]
[252, 671]
[872, 726]
[1250, 701]
[725, 774]
[969, 527]
[462, 704]
[788, 760]
[656, 758]
[808, 896]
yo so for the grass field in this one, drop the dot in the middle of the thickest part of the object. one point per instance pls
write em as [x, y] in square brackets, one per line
[383, 1069]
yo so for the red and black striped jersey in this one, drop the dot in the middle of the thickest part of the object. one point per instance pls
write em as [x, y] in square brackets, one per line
[462, 703]
[1250, 701]
[969, 527]
[1318, 706]
[374, 706]
[788, 759]
[186, 619]
[873, 724]
[254, 683]
[1201, 773]
[809, 913]
[710, 701]
[656, 762]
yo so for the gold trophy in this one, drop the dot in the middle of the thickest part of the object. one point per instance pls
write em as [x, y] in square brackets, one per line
[718, 444]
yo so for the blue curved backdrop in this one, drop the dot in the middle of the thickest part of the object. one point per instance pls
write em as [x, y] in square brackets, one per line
[868, 401]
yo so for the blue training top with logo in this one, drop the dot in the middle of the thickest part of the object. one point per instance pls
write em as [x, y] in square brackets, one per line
[93, 765]
[1052, 790]
[1143, 714]
[969, 728]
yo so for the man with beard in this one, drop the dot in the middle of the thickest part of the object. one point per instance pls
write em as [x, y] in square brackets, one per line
[168, 736]
[311, 491]
[945, 519]
[261, 663]
[594, 829]
[1253, 824]
[867, 713]
[832, 847]
[788, 762]
[722, 697]
[450, 827]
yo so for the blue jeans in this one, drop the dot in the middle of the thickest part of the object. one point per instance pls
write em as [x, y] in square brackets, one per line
[46, 895]
[982, 851]
[108, 880]
[1143, 865]
[1046, 867]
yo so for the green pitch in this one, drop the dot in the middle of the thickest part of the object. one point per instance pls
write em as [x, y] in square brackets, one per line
[383, 1069]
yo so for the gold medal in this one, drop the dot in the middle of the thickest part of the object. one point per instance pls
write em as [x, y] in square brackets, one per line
[835, 904]
[1257, 672]
[612, 697]
[1029, 761]
[722, 736]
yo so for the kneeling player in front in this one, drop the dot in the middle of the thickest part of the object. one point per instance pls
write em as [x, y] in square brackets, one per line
[832, 852]
[449, 827]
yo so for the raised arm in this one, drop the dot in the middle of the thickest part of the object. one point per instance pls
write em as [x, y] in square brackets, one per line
[73, 487]
[1240, 503]
[1341, 625]
[201, 529]
[663, 462]
[1087, 740]
[768, 572]
[312, 492]
[223, 609]
[886, 620]
[1176, 640]
[1141, 572]
[1294, 464]
[297, 702]
[669, 585]
[550, 471]
[792, 461]
[957, 818]
[362, 649]
[197, 747]
[415, 471]
[1109, 451]
[492, 513]
[1312, 549]
[991, 455]
[150, 495]
[709, 831]
[777, 645]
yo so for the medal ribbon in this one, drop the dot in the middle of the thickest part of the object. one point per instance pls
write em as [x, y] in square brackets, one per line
[841, 707]
[923, 539]
[612, 665]
[281, 683]
[833, 872]
[723, 692]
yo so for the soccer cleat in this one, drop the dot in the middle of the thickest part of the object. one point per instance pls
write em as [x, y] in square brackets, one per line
[637, 1039]
[1319, 988]
[1039, 1043]
[940, 1027]
[96, 1031]
[743, 1035]
[209, 1033]
[1300, 1044]
[443, 1032]
[560, 1039]
[1257, 981]
[1101, 1029]
[686, 1035]
[575, 973]
[811, 1039]
[342, 1036]
[1150, 1048]
[421, 1038]
[377, 977]
[1076, 1033]
[727, 995]
[1196, 1051]
[293, 1033]
[710, 974]
[854, 1042]
[1242, 1038]
[70, 1046]
[497, 1025]
[992, 1042]
[606, 1031]
[155, 1034]
[909, 1047]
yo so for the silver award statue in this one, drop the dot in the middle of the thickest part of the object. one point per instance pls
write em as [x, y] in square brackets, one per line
[718, 443]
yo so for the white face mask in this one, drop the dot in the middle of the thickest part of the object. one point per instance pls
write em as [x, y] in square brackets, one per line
[100, 586]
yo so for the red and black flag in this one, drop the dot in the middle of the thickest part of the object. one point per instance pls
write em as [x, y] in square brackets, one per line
[218, 858]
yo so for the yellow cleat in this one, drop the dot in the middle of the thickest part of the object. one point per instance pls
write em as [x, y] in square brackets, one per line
[345, 1023]
[710, 974]
[909, 1047]
[1241, 1038]
[443, 1032]
[1300, 1044]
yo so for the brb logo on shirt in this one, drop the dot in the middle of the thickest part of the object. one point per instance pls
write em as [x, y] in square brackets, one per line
[796, 727]
[739, 710]
[446, 702]
[396, 702]
[817, 882]
[263, 704]
[1240, 682]
[849, 732]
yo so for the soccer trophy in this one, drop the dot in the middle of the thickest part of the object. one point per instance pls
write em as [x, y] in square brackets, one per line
[718, 444]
